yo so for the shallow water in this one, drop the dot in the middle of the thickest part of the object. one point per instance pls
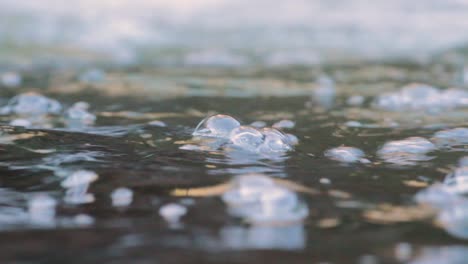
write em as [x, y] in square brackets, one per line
[134, 185]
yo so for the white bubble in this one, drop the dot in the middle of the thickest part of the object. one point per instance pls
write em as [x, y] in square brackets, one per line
[422, 97]
[216, 126]
[345, 154]
[284, 124]
[355, 100]
[172, 212]
[274, 142]
[41, 209]
[451, 137]
[77, 116]
[31, 104]
[247, 188]
[11, 79]
[122, 197]
[157, 123]
[83, 220]
[406, 151]
[258, 124]
[20, 122]
[246, 137]
[80, 177]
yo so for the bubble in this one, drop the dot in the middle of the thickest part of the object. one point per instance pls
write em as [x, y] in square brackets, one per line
[77, 185]
[92, 76]
[172, 212]
[31, 104]
[20, 122]
[284, 124]
[451, 137]
[355, 100]
[77, 116]
[325, 92]
[457, 181]
[258, 124]
[79, 177]
[157, 123]
[219, 126]
[247, 188]
[122, 197]
[10, 79]
[274, 142]
[246, 137]
[257, 198]
[421, 97]
[41, 209]
[345, 154]
[83, 220]
[406, 151]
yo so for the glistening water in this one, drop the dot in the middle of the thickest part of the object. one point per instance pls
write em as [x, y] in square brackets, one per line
[220, 131]
[342, 164]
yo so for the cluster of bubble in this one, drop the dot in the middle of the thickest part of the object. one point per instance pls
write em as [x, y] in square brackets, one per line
[259, 199]
[346, 154]
[266, 140]
[410, 150]
[34, 109]
[424, 97]
[450, 200]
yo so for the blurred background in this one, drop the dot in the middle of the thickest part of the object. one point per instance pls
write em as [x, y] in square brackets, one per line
[228, 32]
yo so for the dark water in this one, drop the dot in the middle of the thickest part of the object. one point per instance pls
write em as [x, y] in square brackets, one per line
[351, 216]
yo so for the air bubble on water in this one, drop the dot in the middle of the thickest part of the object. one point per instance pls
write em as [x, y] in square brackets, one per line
[80, 177]
[418, 96]
[284, 124]
[83, 220]
[31, 104]
[157, 123]
[20, 122]
[247, 188]
[77, 116]
[10, 79]
[292, 139]
[353, 124]
[325, 92]
[41, 209]
[219, 126]
[245, 137]
[406, 151]
[274, 142]
[451, 137]
[257, 198]
[325, 181]
[403, 251]
[122, 197]
[77, 185]
[355, 100]
[345, 154]
[93, 75]
[258, 124]
[172, 212]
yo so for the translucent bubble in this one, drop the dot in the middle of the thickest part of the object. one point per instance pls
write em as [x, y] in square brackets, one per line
[246, 137]
[325, 92]
[258, 124]
[345, 154]
[41, 209]
[457, 181]
[274, 142]
[406, 151]
[21, 122]
[219, 126]
[172, 212]
[355, 100]
[79, 177]
[77, 116]
[10, 79]
[451, 137]
[31, 104]
[157, 123]
[122, 197]
[247, 188]
[284, 124]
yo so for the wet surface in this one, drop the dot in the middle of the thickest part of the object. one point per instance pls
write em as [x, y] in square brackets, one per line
[110, 167]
